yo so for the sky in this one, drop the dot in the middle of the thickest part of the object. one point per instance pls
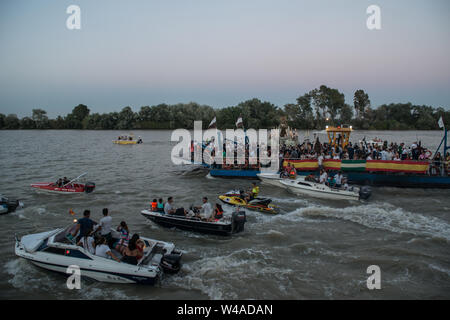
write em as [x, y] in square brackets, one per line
[219, 52]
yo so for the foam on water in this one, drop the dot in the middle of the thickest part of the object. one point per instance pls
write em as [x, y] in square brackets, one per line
[378, 216]
[216, 276]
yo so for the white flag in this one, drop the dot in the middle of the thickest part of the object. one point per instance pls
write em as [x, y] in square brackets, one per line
[441, 122]
[213, 123]
[239, 122]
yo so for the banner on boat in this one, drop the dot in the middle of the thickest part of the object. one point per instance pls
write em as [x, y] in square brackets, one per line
[397, 166]
[360, 165]
[301, 165]
[353, 165]
[331, 164]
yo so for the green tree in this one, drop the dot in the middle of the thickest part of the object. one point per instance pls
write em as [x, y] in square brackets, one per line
[40, 119]
[11, 122]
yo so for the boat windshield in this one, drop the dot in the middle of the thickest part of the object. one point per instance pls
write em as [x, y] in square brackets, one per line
[62, 236]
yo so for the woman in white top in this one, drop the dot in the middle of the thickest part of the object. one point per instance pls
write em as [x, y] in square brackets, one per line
[103, 250]
[87, 242]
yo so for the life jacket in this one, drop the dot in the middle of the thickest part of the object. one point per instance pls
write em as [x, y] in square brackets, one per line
[293, 173]
[218, 215]
[154, 205]
[255, 191]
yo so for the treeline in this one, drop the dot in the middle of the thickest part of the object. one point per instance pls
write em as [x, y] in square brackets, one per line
[313, 110]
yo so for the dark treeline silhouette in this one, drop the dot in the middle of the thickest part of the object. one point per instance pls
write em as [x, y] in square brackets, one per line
[313, 110]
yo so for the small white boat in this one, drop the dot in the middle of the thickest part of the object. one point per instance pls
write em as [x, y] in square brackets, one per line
[300, 186]
[54, 251]
[271, 178]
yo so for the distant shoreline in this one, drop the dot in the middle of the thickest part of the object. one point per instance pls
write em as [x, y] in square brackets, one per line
[312, 111]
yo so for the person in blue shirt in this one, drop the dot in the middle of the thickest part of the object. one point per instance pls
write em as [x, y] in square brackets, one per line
[84, 225]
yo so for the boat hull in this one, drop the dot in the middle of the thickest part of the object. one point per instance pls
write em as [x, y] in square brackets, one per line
[124, 142]
[322, 193]
[35, 249]
[47, 187]
[360, 178]
[221, 229]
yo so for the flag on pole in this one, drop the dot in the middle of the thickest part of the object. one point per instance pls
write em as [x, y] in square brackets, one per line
[441, 123]
[239, 122]
[213, 124]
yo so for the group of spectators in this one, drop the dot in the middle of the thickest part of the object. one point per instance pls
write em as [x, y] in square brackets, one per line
[364, 150]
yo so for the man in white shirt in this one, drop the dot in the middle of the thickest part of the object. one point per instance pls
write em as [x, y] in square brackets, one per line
[168, 209]
[105, 224]
[323, 177]
[206, 210]
[320, 161]
[338, 179]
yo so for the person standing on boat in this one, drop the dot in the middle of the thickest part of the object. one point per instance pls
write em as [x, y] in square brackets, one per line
[323, 176]
[338, 179]
[84, 225]
[105, 226]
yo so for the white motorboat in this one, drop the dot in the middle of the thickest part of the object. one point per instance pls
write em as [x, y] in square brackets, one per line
[301, 186]
[271, 178]
[53, 250]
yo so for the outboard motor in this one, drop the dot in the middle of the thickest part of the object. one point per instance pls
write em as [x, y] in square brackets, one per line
[238, 221]
[365, 192]
[89, 187]
[171, 262]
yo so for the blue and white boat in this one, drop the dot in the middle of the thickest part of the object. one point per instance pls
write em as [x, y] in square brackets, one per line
[54, 251]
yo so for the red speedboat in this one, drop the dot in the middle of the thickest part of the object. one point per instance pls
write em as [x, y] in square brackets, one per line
[71, 187]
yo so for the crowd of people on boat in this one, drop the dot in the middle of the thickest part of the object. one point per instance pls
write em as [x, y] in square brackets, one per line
[97, 239]
[128, 138]
[205, 212]
[375, 150]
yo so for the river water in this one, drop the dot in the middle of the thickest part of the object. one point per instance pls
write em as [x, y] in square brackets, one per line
[313, 249]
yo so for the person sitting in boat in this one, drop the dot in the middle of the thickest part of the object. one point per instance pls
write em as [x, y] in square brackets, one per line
[135, 250]
[218, 212]
[285, 173]
[169, 209]
[139, 140]
[65, 181]
[122, 243]
[338, 179]
[323, 176]
[205, 211]
[160, 205]
[102, 250]
[154, 205]
[119, 138]
[59, 183]
[88, 241]
[293, 173]
[331, 182]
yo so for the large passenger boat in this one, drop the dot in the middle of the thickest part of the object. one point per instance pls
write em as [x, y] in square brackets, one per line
[400, 173]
